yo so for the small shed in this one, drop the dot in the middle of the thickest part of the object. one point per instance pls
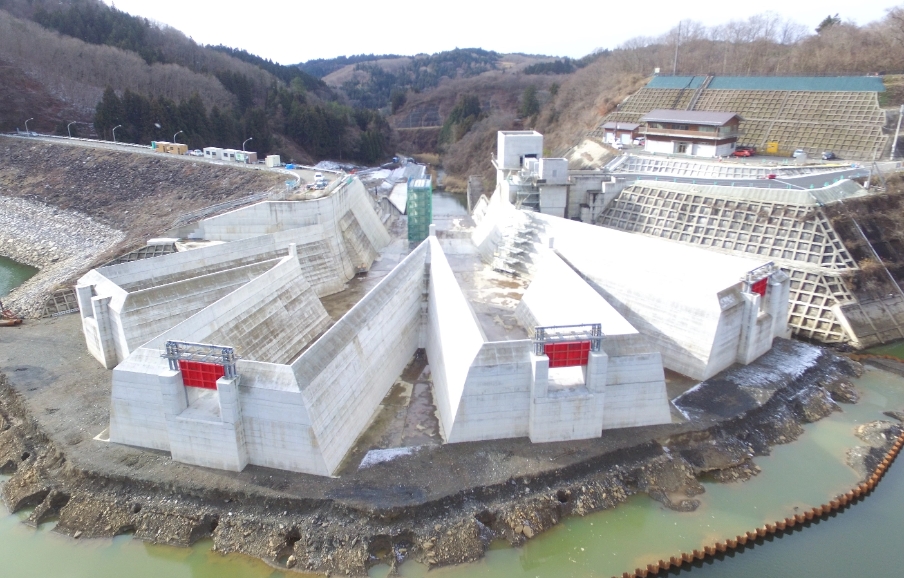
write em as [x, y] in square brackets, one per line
[213, 153]
[623, 132]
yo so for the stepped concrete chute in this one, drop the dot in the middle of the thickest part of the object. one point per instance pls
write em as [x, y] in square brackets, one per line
[272, 318]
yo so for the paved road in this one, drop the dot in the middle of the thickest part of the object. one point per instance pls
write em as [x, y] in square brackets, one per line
[795, 182]
[302, 175]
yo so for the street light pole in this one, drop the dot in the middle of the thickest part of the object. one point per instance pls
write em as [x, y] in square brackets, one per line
[26, 126]
[246, 140]
[69, 130]
[114, 131]
[177, 134]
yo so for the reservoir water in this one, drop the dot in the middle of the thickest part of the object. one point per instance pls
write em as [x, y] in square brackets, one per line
[13, 274]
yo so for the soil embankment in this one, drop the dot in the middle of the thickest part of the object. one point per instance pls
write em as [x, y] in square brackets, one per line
[440, 504]
[67, 208]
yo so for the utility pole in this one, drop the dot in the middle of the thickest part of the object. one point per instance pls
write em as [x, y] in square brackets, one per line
[894, 143]
[677, 44]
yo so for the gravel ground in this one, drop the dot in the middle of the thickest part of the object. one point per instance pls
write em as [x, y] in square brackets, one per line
[66, 208]
[61, 244]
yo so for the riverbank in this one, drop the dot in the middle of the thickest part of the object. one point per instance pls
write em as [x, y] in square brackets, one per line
[60, 243]
[67, 208]
[440, 505]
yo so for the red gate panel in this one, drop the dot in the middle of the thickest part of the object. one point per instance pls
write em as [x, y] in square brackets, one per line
[567, 353]
[759, 287]
[198, 374]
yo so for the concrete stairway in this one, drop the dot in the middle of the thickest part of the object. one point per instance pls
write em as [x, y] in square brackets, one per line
[513, 255]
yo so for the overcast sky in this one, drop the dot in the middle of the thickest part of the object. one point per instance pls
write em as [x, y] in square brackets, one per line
[290, 32]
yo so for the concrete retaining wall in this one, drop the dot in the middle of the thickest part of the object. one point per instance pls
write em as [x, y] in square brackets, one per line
[269, 319]
[688, 301]
[346, 373]
[496, 397]
[277, 424]
[274, 216]
[453, 337]
[136, 405]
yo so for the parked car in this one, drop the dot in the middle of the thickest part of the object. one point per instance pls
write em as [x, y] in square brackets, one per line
[770, 176]
[640, 141]
[743, 152]
[828, 156]
[618, 145]
[196, 153]
[799, 154]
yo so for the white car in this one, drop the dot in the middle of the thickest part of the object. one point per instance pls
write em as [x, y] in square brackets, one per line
[619, 145]
[318, 177]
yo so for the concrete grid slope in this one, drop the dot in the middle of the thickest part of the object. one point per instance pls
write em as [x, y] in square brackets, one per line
[839, 114]
[790, 229]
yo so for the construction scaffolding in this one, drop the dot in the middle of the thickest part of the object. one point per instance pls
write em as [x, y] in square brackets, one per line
[420, 209]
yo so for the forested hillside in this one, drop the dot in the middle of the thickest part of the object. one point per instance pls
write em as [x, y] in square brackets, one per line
[103, 68]
[569, 104]
[80, 60]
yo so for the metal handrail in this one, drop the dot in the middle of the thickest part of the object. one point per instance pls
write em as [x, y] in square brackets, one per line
[202, 353]
[592, 332]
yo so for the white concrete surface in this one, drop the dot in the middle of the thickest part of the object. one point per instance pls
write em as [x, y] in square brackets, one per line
[336, 237]
[513, 146]
[346, 373]
[688, 301]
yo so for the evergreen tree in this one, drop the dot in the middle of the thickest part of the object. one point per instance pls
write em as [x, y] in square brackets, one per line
[827, 23]
[108, 113]
[461, 118]
[529, 106]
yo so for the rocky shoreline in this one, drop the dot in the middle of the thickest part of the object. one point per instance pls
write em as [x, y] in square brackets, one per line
[331, 535]
[60, 243]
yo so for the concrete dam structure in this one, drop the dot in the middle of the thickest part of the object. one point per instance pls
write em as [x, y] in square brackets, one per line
[226, 355]
[703, 311]
[789, 227]
[123, 306]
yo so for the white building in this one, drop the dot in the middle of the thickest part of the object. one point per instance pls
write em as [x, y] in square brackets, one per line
[528, 179]
[690, 132]
[213, 153]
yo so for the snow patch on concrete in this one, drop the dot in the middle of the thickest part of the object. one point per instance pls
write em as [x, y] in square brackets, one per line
[375, 457]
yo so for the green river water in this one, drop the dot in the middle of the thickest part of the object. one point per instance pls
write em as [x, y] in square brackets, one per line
[13, 274]
[860, 541]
